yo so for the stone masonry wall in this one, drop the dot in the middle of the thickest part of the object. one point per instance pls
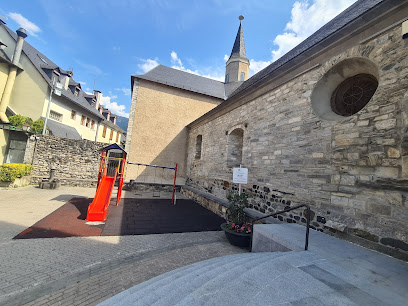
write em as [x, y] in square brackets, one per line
[77, 161]
[353, 172]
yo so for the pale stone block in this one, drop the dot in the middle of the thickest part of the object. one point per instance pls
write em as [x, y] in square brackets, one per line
[353, 156]
[339, 200]
[387, 172]
[347, 136]
[393, 153]
[347, 180]
[363, 123]
[357, 204]
[386, 124]
[405, 167]
[335, 179]
[296, 119]
[317, 155]
[382, 117]
[277, 152]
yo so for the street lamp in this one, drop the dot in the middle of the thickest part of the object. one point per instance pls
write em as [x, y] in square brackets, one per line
[55, 88]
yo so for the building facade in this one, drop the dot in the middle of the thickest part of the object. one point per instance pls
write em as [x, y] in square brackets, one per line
[27, 78]
[325, 125]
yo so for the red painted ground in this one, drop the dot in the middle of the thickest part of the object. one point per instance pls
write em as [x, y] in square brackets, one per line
[66, 221]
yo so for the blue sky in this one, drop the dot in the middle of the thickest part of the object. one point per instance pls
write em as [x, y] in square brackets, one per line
[107, 41]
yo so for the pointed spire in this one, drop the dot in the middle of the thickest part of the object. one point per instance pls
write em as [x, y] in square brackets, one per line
[238, 50]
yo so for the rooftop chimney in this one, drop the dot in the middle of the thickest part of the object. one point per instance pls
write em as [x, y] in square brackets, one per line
[98, 96]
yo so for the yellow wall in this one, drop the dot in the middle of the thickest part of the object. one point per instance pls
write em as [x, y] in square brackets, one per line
[61, 106]
[159, 133]
[29, 92]
[4, 69]
[3, 144]
[108, 131]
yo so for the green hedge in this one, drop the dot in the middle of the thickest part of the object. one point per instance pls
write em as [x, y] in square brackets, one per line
[9, 172]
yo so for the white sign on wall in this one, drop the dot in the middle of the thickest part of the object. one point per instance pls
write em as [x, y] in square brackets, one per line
[240, 175]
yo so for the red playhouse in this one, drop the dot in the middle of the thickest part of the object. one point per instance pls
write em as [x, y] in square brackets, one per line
[111, 170]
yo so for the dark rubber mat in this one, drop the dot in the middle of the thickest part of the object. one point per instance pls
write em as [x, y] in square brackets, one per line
[131, 217]
[155, 216]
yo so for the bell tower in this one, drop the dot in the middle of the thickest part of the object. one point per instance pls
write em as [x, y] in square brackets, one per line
[237, 66]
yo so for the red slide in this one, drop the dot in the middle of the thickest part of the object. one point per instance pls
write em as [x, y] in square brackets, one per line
[99, 207]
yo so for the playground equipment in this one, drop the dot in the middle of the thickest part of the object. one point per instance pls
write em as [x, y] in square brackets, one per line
[112, 168]
[156, 192]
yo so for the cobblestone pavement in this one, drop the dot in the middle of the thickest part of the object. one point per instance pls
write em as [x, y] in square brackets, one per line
[84, 270]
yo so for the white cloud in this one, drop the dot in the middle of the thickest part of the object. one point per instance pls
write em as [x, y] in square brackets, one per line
[125, 91]
[226, 57]
[116, 109]
[177, 64]
[305, 20]
[23, 22]
[82, 83]
[212, 73]
[148, 64]
[92, 69]
[257, 66]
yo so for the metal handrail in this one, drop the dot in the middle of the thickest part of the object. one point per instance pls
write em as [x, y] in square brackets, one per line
[283, 211]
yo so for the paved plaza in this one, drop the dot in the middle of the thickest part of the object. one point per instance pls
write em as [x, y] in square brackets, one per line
[199, 268]
[84, 270]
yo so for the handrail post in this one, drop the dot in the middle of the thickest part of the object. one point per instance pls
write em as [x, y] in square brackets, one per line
[307, 228]
[283, 211]
[252, 236]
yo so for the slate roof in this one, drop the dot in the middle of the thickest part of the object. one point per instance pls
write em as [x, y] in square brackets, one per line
[184, 80]
[41, 61]
[238, 50]
[61, 130]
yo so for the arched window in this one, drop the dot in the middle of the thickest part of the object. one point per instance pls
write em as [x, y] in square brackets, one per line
[199, 142]
[235, 145]
[345, 89]
[353, 94]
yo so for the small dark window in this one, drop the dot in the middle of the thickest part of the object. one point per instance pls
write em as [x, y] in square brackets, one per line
[353, 94]
[227, 78]
[199, 143]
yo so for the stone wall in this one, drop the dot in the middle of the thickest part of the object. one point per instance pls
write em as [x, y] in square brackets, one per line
[77, 161]
[353, 171]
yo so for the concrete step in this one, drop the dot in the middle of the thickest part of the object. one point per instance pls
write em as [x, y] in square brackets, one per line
[142, 294]
[269, 238]
[211, 278]
[332, 272]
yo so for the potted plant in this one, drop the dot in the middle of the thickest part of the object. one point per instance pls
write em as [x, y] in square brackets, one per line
[237, 228]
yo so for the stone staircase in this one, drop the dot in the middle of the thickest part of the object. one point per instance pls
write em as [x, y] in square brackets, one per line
[332, 272]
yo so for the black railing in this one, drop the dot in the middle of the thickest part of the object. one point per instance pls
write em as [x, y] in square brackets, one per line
[281, 212]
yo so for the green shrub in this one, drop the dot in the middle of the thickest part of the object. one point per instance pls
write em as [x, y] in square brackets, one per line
[9, 172]
[235, 211]
[37, 126]
[17, 120]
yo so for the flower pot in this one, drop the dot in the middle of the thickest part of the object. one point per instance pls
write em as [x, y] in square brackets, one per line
[238, 239]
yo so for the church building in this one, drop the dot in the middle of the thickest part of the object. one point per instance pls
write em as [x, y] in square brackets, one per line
[325, 125]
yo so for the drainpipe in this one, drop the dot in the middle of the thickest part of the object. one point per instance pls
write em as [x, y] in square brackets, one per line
[5, 99]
